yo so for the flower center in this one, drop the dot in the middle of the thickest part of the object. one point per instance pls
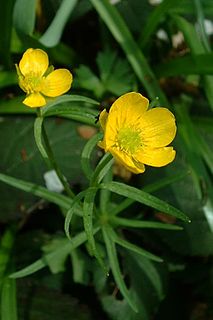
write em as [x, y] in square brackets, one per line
[31, 83]
[129, 139]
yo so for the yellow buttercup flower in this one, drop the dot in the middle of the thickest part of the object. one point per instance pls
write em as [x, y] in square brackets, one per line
[136, 136]
[39, 81]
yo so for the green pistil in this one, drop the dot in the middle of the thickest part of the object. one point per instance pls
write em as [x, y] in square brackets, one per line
[129, 139]
[31, 83]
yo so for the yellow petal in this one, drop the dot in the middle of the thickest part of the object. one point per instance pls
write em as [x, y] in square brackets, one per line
[158, 127]
[128, 108]
[158, 157]
[127, 161]
[57, 83]
[34, 100]
[125, 111]
[103, 118]
[34, 61]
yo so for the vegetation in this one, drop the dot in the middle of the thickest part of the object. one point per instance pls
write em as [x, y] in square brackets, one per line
[81, 236]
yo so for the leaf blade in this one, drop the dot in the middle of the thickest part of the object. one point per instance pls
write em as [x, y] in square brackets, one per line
[144, 198]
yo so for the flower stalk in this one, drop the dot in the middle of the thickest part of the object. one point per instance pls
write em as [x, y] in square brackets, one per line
[50, 159]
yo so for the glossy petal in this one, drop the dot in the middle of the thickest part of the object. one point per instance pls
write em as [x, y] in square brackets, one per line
[34, 61]
[127, 161]
[158, 127]
[158, 157]
[128, 108]
[34, 100]
[57, 83]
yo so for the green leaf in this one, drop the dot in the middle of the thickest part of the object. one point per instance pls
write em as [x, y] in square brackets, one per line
[115, 73]
[57, 253]
[105, 195]
[21, 158]
[102, 168]
[121, 33]
[88, 213]
[145, 198]
[196, 64]
[149, 270]
[155, 18]
[8, 300]
[88, 80]
[105, 61]
[50, 107]
[69, 106]
[81, 267]
[54, 32]
[38, 191]
[86, 155]
[38, 137]
[143, 224]
[55, 265]
[162, 183]
[132, 247]
[25, 23]
[201, 26]
[71, 211]
[114, 265]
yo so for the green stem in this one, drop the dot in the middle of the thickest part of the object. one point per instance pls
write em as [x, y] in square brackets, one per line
[52, 161]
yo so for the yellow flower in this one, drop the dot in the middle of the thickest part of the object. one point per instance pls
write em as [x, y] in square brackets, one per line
[136, 136]
[38, 81]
